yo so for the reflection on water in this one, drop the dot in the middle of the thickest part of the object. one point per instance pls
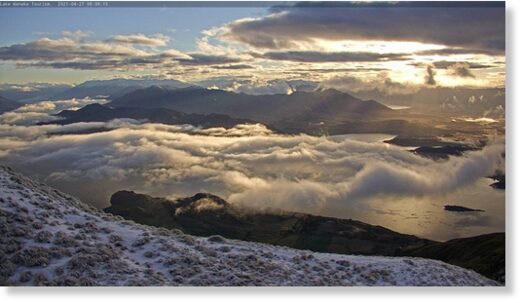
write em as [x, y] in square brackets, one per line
[425, 216]
[304, 174]
[370, 138]
[398, 107]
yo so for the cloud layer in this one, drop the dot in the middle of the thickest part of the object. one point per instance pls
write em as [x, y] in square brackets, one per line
[472, 25]
[304, 41]
[30, 114]
[154, 40]
[247, 165]
[120, 52]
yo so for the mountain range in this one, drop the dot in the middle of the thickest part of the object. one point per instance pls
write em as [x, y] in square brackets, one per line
[114, 88]
[483, 102]
[484, 254]
[317, 112]
[99, 113]
[32, 92]
[110, 89]
[205, 214]
[8, 105]
[309, 106]
[488, 102]
[320, 112]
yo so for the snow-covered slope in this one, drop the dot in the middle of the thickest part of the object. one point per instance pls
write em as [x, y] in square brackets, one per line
[50, 238]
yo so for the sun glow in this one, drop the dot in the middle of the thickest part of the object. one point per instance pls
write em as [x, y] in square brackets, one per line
[375, 46]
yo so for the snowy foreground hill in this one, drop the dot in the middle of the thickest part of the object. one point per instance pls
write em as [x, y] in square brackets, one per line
[50, 238]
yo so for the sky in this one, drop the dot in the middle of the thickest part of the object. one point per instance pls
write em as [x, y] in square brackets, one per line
[383, 45]
[391, 47]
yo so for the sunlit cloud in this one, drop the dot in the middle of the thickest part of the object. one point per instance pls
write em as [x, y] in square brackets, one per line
[43, 111]
[313, 173]
[153, 40]
[464, 26]
[311, 42]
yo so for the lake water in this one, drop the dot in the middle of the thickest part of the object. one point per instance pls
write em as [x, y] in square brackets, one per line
[398, 107]
[375, 137]
[425, 216]
[306, 167]
[371, 138]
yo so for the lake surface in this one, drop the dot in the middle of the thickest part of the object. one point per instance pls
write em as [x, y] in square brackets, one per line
[371, 138]
[425, 216]
[294, 173]
[397, 107]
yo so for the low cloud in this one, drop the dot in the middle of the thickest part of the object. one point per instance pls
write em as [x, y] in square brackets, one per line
[455, 68]
[447, 64]
[253, 86]
[382, 83]
[461, 70]
[429, 78]
[30, 87]
[313, 174]
[248, 165]
[43, 111]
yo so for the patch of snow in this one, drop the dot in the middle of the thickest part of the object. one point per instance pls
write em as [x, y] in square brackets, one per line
[50, 238]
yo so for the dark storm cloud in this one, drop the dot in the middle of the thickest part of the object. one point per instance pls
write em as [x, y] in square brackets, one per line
[472, 26]
[315, 56]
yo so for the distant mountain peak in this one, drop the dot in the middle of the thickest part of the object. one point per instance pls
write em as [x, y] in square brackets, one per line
[104, 112]
[8, 105]
[279, 110]
[129, 82]
[114, 88]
